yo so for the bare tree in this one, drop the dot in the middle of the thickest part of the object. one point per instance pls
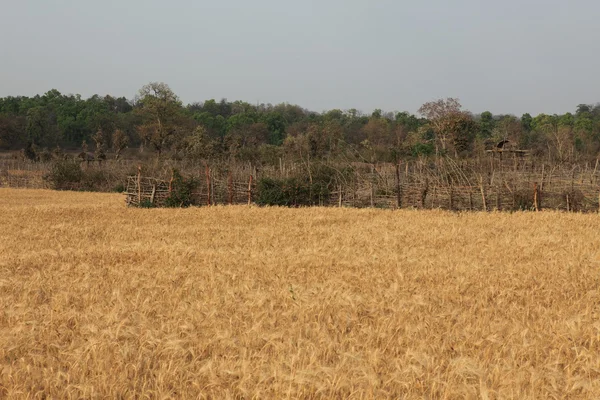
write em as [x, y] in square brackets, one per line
[119, 142]
[448, 121]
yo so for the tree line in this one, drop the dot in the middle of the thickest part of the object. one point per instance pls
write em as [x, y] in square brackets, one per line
[157, 122]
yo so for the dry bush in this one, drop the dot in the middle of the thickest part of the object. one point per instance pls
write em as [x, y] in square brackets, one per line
[101, 301]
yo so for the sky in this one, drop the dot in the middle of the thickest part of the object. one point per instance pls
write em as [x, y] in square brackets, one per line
[503, 56]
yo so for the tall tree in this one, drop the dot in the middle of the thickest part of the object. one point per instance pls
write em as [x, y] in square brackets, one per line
[526, 122]
[486, 124]
[42, 128]
[448, 121]
[160, 109]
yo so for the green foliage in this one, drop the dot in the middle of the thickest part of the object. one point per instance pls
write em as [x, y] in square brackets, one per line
[526, 122]
[198, 145]
[146, 204]
[242, 131]
[486, 125]
[181, 191]
[297, 191]
[291, 192]
[422, 149]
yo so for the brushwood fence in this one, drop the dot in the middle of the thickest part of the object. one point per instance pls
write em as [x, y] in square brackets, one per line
[18, 174]
[488, 183]
[408, 185]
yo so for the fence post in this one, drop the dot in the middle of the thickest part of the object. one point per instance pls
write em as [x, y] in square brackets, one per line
[482, 194]
[153, 194]
[398, 187]
[451, 197]
[424, 193]
[339, 195]
[470, 198]
[535, 197]
[207, 185]
[139, 185]
[498, 201]
[250, 190]
[230, 187]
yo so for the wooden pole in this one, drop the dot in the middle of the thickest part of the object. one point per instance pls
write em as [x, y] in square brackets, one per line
[451, 197]
[568, 205]
[212, 192]
[372, 203]
[482, 194]
[498, 201]
[139, 185]
[424, 193]
[339, 195]
[470, 199]
[398, 187]
[207, 185]
[230, 187]
[153, 194]
[250, 190]
[535, 197]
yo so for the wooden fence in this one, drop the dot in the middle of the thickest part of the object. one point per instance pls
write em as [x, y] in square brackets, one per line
[488, 183]
[390, 186]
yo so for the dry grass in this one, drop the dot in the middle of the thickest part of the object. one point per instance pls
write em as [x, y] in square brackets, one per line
[100, 301]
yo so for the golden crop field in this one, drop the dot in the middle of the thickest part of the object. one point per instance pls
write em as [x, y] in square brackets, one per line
[101, 301]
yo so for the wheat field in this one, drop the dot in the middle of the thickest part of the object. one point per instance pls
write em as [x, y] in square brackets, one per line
[101, 301]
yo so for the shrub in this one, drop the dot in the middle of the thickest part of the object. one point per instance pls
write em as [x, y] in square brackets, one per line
[45, 155]
[573, 199]
[422, 149]
[292, 192]
[96, 180]
[301, 190]
[65, 175]
[146, 204]
[523, 199]
[181, 191]
[277, 192]
[29, 152]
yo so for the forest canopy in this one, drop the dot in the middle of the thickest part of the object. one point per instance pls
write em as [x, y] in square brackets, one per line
[157, 122]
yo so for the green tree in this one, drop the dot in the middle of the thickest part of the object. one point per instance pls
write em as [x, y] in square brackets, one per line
[526, 122]
[486, 125]
[199, 145]
[42, 128]
[409, 122]
[160, 110]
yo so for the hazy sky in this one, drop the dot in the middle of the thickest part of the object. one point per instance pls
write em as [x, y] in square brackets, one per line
[505, 56]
